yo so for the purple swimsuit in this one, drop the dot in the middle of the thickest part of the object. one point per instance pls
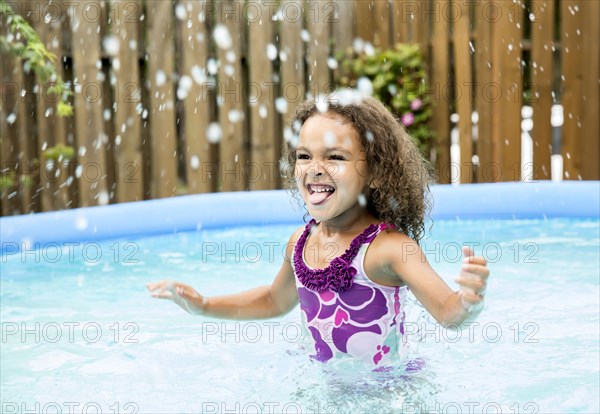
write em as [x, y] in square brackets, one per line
[345, 312]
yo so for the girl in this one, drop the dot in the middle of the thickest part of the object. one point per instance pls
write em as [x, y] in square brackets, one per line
[363, 182]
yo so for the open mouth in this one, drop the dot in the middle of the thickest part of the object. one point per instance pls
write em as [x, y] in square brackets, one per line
[318, 193]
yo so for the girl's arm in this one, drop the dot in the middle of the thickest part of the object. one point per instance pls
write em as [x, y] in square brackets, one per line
[404, 260]
[262, 302]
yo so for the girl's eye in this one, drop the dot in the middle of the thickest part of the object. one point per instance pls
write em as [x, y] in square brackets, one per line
[337, 157]
[302, 156]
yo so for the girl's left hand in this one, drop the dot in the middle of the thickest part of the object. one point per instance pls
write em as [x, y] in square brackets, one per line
[472, 279]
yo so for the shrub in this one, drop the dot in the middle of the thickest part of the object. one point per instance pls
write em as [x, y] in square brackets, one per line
[398, 79]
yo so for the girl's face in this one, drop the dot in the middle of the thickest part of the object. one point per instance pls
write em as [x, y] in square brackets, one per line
[331, 167]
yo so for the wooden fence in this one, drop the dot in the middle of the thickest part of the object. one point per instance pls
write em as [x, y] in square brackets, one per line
[175, 97]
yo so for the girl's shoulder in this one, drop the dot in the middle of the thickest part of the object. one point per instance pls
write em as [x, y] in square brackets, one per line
[390, 242]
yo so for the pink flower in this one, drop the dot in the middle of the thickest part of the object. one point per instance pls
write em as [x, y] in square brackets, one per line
[416, 104]
[407, 119]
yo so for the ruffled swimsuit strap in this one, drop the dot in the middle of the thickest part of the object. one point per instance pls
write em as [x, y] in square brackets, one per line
[339, 274]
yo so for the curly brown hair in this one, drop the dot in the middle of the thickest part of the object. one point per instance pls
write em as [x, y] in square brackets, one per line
[401, 175]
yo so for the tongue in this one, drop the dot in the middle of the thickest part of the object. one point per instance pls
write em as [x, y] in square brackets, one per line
[316, 198]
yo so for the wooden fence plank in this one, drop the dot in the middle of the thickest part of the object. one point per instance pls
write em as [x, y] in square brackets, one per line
[421, 25]
[542, 71]
[400, 22]
[264, 153]
[194, 87]
[27, 194]
[343, 25]
[126, 107]
[232, 117]
[508, 40]
[13, 128]
[317, 53]
[162, 108]
[483, 66]
[440, 79]
[464, 96]
[590, 123]
[572, 68]
[381, 19]
[54, 192]
[363, 20]
[589, 132]
[89, 137]
[292, 66]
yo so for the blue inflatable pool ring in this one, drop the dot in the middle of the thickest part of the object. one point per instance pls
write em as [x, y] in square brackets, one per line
[204, 211]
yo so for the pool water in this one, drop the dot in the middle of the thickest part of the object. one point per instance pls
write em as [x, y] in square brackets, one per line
[81, 334]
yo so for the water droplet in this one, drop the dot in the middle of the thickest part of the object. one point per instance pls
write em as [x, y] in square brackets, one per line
[198, 74]
[364, 85]
[235, 115]
[296, 126]
[305, 35]
[262, 111]
[369, 135]
[358, 45]
[332, 63]
[81, 222]
[194, 162]
[214, 133]
[111, 45]
[145, 114]
[321, 103]
[161, 78]
[229, 70]
[182, 94]
[180, 12]
[82, 151]
[222, 37]
[185, 82]
[362, 200]
[471, 47]
[329, 138]
[271, 51]
[212, 66]
[230, 56]
[103, 198]
[281, 105]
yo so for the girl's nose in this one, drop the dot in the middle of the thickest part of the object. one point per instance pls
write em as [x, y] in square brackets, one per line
[315, 169]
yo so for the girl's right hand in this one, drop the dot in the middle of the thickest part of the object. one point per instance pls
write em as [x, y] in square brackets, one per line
[183, 295]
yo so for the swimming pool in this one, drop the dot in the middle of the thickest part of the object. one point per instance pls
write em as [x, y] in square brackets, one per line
[80, 333]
